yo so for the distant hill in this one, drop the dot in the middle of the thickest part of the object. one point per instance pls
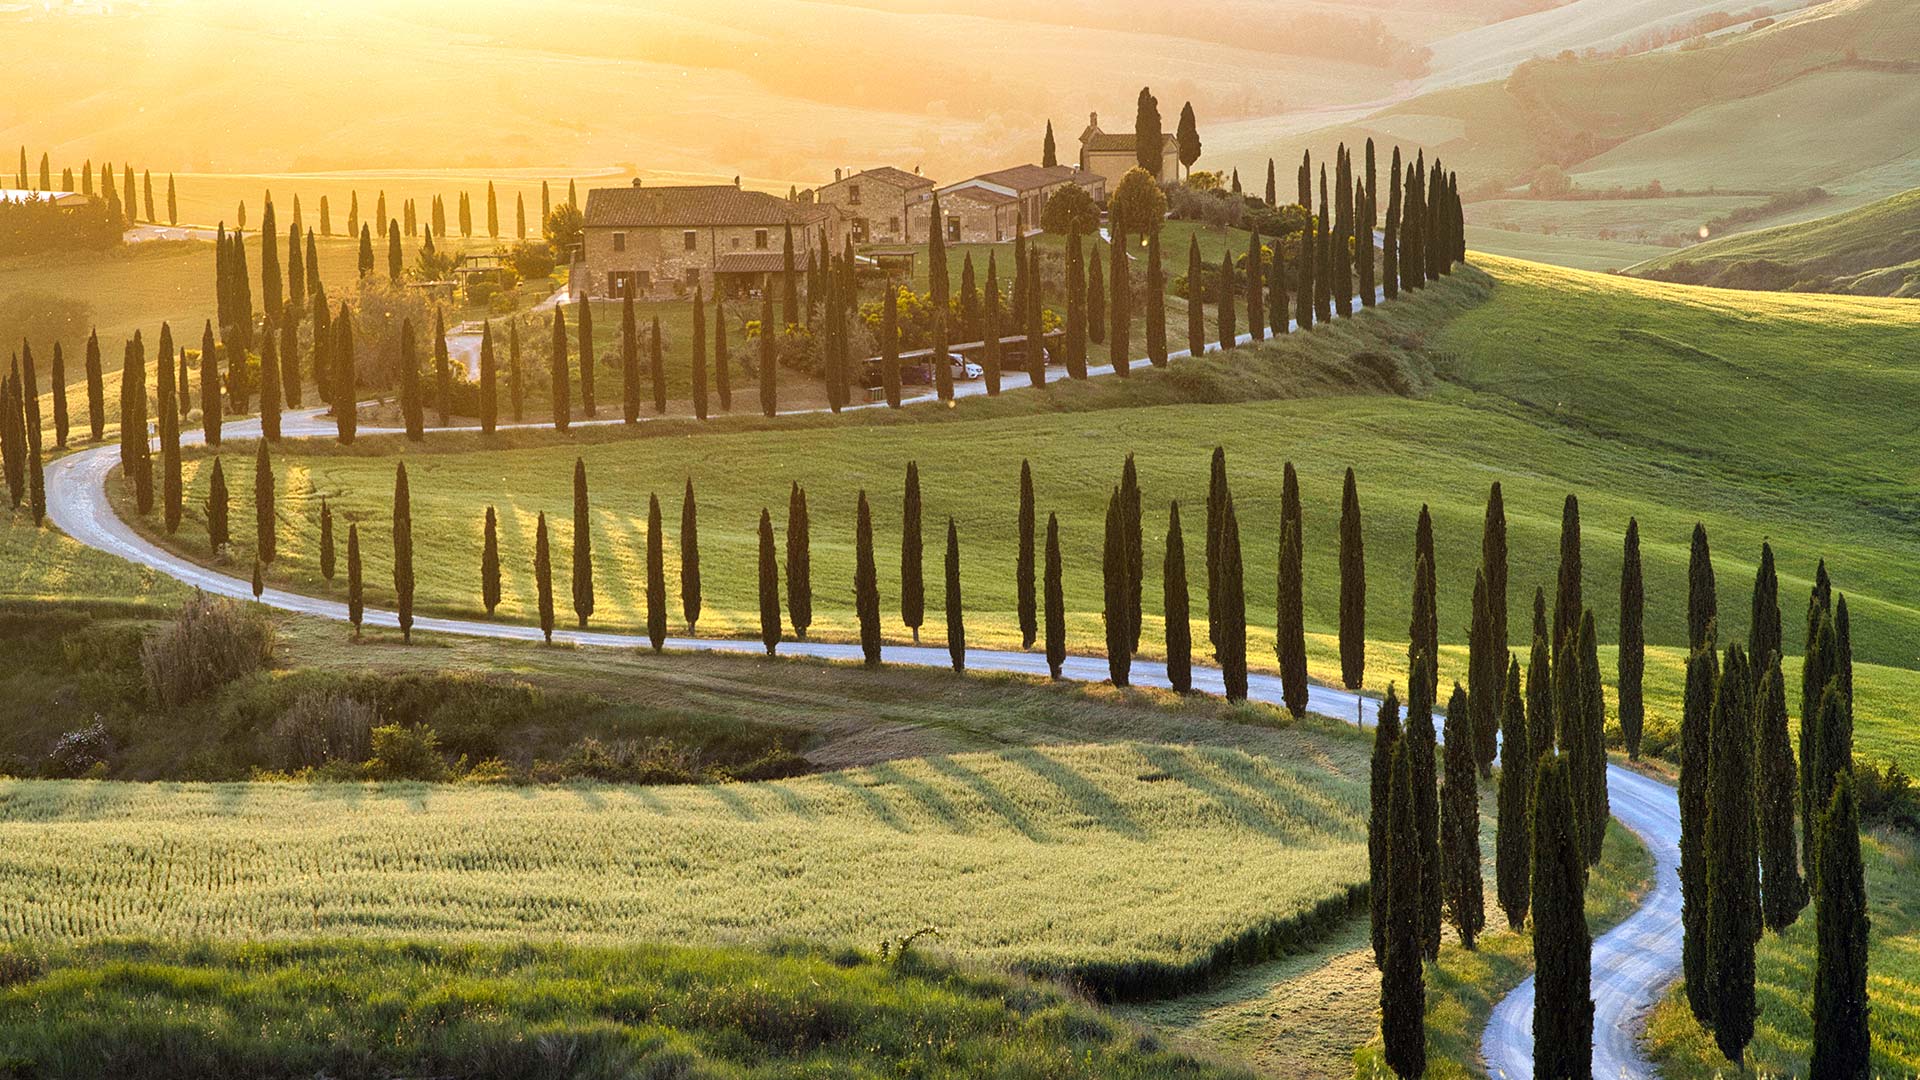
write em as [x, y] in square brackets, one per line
[1873, 250]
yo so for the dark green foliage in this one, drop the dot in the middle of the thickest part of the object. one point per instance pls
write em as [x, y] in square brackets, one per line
[699, 359]
[217, 534]
[1096, 298]
[656, 577]
[1783, 893]
[1229, 332]
[403, 550]
[1303, 307]
[1036, 341]
[1733, 881]
[1541, 729]
[172, 489]
[562, 384]
[769, 586]
[356, 603]
[1423, 632]
[411, 412]
[995, 329]
[1408, 869]
[1493, 563]
[1592, 759]
[1217, 495]
[1562, 944]
[138, 462]
[1130, 533]
[1703, 606]
[264, 518]
[722, 377]
[543, 576]
[1353, 588]
[689, 557]
[366, 250]
[1230, 647]
[890, 344]
[1196, 305]
[1055, 600]
[657, 366]
[490, 562]
[588, 357]
[1290, 640]
[210, 386]
[1567, 602]
[799, 562]
[326, 540]
[629, 361]
[1076, 328]
[489, 382]
[1485, 674]
[1175, 604]
[1049, 156]
[1149, 147]
[1817, 666]
[1386, 737]
[1421, 742]
[516, 386]
[1119, 309]
[96, 389]
[1256, 288]
[582, 546]
[1832, 753]
[913, 590]
[866, 582]
[1113, 575]
[1696, 741]
[1156, 303]
[1633, 643]
[1843, 1046]
[443, 367]
[1513, 831]
[956, 614]
[1023, 560]
[1460, 824]
[1278, 315]
[395, 265]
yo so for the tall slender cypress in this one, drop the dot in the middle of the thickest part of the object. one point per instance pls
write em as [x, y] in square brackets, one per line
[1131, 536]
[1156, 303]
[913, 598]
[403, 550]
[995, 330]
[265, 520]
[1421, 743]
[1023, 567]
[698, 362]
[890, 345]
[582, 546]
[1703, 605]
[1229, 330]
[443, 368]
[799, 562]
[1113, 574]
[658, 367]
[411, 413]
[490, 562]
[1695, 762]
[956, 615]
[343, 382]
[1402, 978]
[1567, 604]
[1120, 305]
[689, 557]
[1633, 644]
[1216, 507]
[133, 417]
[769, 380]
[1055, 599]
[217, 505]
[269, 388]
[1353, 588]
[96, 390]
[1076, 337]
[326, 540]
[1842, 1047]
[656, 576]
[590, 356]
[866, 582]
[1423, 632]
[59, 382]
[1460, 824]
[172, 488]
[1174, 603]
[516, 386]
[1541, 728]
[1783, 894]
[1231, 646]
[1196, 303]
[543, 576]
[1514, 825]
[562, 386]
[629, 360]
[356, 603]
[769, 586]
[1733, 882]
[489, 381]
[1256, 288]
[1386, 737]
[1593, 734]
[1290, 629]
[1562, 943]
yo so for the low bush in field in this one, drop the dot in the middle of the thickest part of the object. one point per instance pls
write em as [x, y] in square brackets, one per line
[324, 726]
[211, 643]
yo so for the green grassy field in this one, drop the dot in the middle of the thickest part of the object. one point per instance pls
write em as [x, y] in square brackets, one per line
[366, 1010]
[1579, 253]
[1639, 221]
[1870, 251]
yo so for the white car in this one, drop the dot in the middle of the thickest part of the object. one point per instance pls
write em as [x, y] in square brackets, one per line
[965, 369]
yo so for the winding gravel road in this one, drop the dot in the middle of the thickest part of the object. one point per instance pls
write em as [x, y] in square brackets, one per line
[1632, 964]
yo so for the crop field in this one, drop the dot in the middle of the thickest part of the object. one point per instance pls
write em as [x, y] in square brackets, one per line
[1126, 865]
[1575, 252]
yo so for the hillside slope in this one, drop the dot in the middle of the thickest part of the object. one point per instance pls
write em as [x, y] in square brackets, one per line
[1870, 251]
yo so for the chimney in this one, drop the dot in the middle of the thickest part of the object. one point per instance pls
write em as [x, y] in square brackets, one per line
[836, 176]
[636, 181]
[916, 170]
[736, 179]
[1093, 120]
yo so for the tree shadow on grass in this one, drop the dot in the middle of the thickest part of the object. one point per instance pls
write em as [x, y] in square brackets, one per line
[882, 809]
[1086, 795]
[941, 807]
[995, 799]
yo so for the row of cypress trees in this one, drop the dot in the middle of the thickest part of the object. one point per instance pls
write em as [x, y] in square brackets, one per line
[122, 200]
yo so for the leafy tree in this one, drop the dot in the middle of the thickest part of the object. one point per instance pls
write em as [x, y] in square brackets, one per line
[956, 616]
[1733, 882]
[1402, 978]
[656, 577]
[1148, 147]
[1386, 738]
[1843, 1046]
[913, 601]
[1070, 211]
[1023, 560]
[1056, 603]
[1514, 824]
[543, 576]
[866, 582]
[1633, 645]
[689, 557]
[1290, 636]
[582, 546]
[799, 562]
[769, 586]
[1460, 824]
[1562, 943]
[1137, 206]
[356, 604]
[1175, 604]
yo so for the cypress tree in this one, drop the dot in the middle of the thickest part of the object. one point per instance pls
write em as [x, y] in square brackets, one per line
[699, 361]
[956, 618]
[866, 582]
[1733, 883]
[1386, 739]
[264, 519]
[799, 562]
[13, 436]
[543, 576]
[37, 480]
[489, 381]
[656, 577]
[1763, 631]
[1695, 747]
[1783, 893]
[1174, 601]
[1156, 303]
[1096, 299]
[689, 557]
[1702, 602]
[490, 563]
[326, 218]
[1131, 534]
[1460, 824]
[1493, 560]
[1278, 314]
[403, 550]
[722, 378]
[1023, 560]
[1113, 571]
[1256, 284]
[1231, 648]
[589, 356]
[1272, 192]
[1323, 251]
[1567, 604]
[96, 390]
[769, 385]
[1076, 343]
[629, 360]
[1562, 943]
[1422, 739]
[789, 284]
[1413, 258]
[562, 392]
[1056, 603]
[1633, 645]
[217, 503]
[659, 368]
[182, 392]
[1843, 1044]
[411, 413]
[343, 383]
[356, 604]
[890, 345]
[1120, 306]
[1196, 306]
[582, 546]
[1353, 588]
[133, 417]
[1514, 826]
[1817, 664]
[516, 388]
[172, 488]
[1340, 258]
[1216, 505]
[366, 250]
[269, 388]
[326, 540]
[769, 586]
[1423, 632]
[546, 203]
[395, 265]
[1593, 760]
[913, 602]
[1290, 631]
[1484, 671]
[1036, 340]
[994, 329]
[520, 214]
[1303, 299]
[1402, 979]
[443, 368]
[286, 375]
[1229, 331]
[493, 212]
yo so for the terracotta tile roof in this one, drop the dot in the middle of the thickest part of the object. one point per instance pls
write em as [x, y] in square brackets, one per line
[1123, 142]
[984, 196]
[1031, 177]
[887, 174]
[693, 206]
[750, 262]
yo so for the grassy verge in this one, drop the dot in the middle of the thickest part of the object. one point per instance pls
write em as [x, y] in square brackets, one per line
[1783, 1034]
[368, 1010]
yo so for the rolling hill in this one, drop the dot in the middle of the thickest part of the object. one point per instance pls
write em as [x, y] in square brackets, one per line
[1870, 251]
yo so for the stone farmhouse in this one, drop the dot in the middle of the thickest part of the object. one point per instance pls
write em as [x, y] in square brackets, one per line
[874, 202]
[1111, 154]
[992, 207]
[659, 243]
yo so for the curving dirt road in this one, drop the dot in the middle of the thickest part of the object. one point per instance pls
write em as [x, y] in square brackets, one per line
[1632, 964]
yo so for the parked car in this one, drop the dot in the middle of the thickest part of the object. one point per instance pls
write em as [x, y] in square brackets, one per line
[964, 368]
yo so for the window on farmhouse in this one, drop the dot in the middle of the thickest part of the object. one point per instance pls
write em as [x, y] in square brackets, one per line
[619, 241]
[760, 239]
[690, 240]
[853, 194]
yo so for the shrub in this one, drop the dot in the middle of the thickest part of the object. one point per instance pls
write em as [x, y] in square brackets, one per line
[406, 752]
[626, 761]
[323, 726]
[532, 260]
[211, 643]
[1886, 794]
[80, 753]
